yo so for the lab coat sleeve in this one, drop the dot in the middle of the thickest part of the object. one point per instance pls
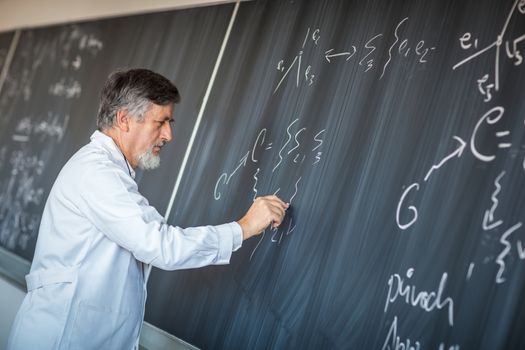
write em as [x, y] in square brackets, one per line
[111, 201]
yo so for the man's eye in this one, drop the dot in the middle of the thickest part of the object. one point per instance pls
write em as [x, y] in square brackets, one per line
[163, 122]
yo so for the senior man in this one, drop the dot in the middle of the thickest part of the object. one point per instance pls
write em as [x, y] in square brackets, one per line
[86, 287]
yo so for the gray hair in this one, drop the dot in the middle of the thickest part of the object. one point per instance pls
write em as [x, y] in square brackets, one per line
[133, 90]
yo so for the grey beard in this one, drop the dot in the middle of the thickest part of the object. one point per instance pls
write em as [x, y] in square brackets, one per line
[148, 161]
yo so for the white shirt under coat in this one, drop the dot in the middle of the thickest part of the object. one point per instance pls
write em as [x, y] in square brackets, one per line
[86, 286]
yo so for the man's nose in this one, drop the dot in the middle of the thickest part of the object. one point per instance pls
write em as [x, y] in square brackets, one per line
[166, 132]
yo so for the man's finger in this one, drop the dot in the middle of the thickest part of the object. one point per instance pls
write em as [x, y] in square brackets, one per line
[277, 201]
[277, 216]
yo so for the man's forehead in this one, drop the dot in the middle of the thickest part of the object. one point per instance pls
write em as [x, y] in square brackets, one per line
[164, 112]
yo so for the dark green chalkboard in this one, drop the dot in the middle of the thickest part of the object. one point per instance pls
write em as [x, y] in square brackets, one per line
[404, 163]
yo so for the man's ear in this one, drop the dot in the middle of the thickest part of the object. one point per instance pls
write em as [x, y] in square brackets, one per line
[122, 120]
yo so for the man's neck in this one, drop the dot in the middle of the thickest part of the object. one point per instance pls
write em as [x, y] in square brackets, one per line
[116, 136]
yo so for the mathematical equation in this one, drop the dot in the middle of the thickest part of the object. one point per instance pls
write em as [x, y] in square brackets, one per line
[22, 191]
[399, 46]
[491, 125]
[66, 87]
[490, 223]
[75, 46]
[35, 136]
[18, 193]
[50, 126]
[487, 84]
[489, 119]
[301, 148]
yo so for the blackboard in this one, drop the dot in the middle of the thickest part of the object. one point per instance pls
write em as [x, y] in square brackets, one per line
[396, 130]
[49, 101]
[5, 40]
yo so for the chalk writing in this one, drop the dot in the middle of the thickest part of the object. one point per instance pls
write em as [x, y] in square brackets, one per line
[488, 219]
[468, 43]
[403, 49]
[91, 43]
[24, 160]
[412, 208]
[393, 341]
[470, 270]
[500, 260]
[293, 151]
[21, 192]
[308, 75]
[491, 121]
[366, 56]
[398, 287]
[300, 147]
[67, 88]
[52, 126]
[415, 186]
[491, 117]
[457, 153]
[18, 193]
[521, 250]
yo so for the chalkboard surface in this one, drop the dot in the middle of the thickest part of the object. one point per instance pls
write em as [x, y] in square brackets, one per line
[5, 40]
[49, 102]
[396, 130]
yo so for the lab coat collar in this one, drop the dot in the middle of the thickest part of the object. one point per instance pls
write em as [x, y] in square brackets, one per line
[116, 154]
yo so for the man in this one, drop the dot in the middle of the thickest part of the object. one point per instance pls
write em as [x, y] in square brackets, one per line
[86, 287]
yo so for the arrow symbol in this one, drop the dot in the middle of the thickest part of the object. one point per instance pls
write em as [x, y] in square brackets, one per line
[242, 163]
[328, 54]
[457, 153]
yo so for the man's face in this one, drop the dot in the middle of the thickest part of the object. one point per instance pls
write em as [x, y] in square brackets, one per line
[148, 136]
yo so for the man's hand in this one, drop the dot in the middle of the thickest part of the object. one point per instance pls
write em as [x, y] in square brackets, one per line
[264, 211]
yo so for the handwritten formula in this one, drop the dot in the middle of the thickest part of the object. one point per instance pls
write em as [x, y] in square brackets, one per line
[506, 50]
[302, 148]
[22, 190]
[399, 47]
[32, 138]
[503, 47]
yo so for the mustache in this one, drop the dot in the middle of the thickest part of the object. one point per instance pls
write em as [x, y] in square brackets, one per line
[161, 144]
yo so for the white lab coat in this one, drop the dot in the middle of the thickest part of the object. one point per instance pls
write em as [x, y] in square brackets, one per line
[86, 286]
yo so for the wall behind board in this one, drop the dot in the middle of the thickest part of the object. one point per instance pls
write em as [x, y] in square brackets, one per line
[49, 102]
[396, 130]
[32, 13]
